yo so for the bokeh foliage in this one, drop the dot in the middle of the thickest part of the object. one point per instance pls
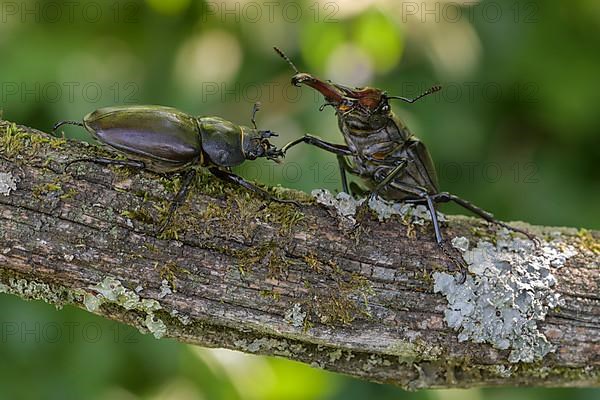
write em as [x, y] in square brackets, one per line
[515, 130]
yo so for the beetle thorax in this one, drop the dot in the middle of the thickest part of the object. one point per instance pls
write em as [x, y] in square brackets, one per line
[221, 141]
[373, 147]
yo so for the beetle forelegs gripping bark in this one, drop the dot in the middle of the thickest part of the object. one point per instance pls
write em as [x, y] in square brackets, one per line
[423, 197]
[430, 200]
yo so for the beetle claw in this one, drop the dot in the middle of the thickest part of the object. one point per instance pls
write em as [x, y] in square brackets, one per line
[458, 262]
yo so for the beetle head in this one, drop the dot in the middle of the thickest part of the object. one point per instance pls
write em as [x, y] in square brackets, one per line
[256, 144]
[344, 99]
[365, 100]
[364, 107]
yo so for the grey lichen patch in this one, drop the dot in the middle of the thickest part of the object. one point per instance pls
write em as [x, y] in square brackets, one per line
[295, 316]
[270, 346]
[503, 371]
[111, 291]
[183, 318]
[417, 214]
[373, 361]
[461, 243]
[31, 290]
[510, 288]
[416, 350]
[346, 206]
[334, 355]
[165, 289]
[91, 302]
[155, 325]
[7, 183]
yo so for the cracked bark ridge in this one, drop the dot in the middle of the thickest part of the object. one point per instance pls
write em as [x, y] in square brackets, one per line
[277, 280]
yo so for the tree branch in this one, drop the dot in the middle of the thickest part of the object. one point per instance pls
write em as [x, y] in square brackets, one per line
[297, 283]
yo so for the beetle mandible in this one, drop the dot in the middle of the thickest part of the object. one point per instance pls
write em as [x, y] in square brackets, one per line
[165, 140]
[392, 161]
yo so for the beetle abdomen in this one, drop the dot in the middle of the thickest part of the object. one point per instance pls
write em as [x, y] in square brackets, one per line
[377, 152]
[166, 137]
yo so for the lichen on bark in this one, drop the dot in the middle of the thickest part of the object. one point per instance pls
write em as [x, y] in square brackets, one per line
[510, 289]
[278, 280]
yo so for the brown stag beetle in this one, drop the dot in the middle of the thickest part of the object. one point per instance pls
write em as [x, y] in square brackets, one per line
[393, 162]
[165, 140]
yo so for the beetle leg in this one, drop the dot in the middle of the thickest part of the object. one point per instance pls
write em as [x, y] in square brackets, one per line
[179, 198]
[344, 166]
[489, 217]
[423, 196]
[108, 161]
[391, 176]
[343, 161]
[430, 201]
[459, 262]
[338, 149]
[384, 182]
[61, 123]
[233, 178]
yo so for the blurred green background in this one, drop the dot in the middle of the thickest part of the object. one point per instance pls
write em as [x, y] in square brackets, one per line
[516, 130]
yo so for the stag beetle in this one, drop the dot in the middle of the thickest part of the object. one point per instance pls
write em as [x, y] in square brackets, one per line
[166, 140]
[392, 161]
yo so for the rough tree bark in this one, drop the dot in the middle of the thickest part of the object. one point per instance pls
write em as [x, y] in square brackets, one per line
[277, 280]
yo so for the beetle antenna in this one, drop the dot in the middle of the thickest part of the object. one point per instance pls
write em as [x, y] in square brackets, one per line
[429, 91]
[286, 58]
[254, 111]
